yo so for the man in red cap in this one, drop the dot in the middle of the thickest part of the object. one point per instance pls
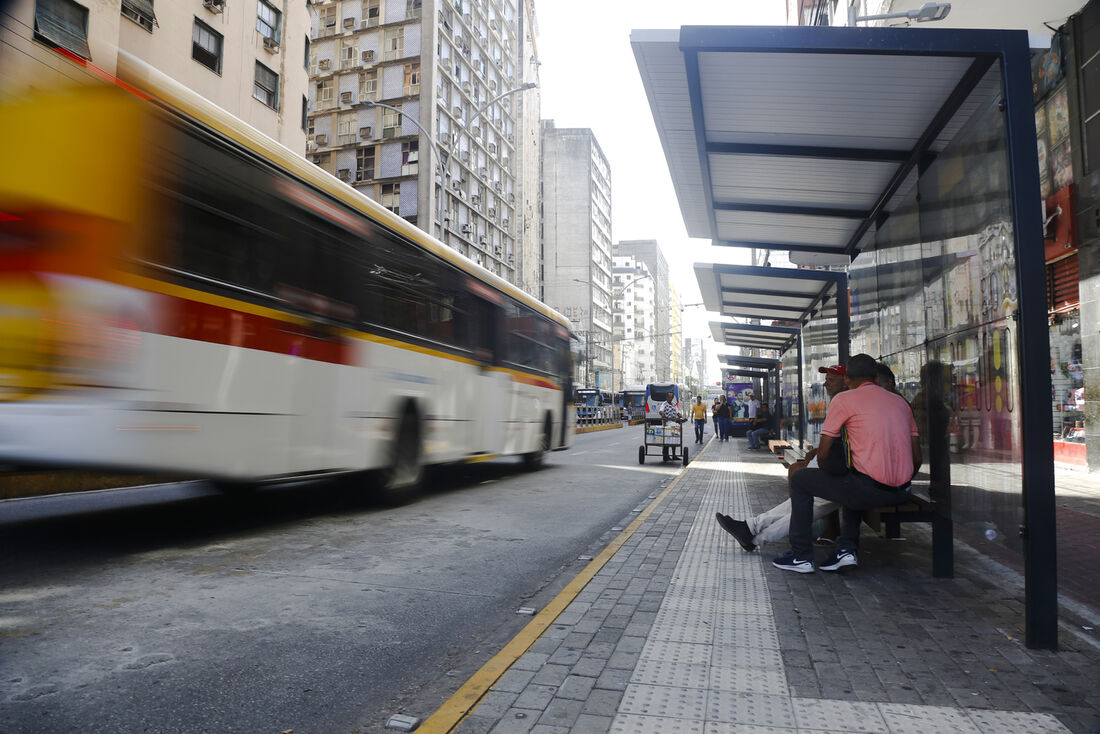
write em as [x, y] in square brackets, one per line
[885, 454]
[771, 526]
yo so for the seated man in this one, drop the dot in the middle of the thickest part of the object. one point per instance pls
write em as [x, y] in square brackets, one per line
[771, 526]
[885, 455]
[762, 425]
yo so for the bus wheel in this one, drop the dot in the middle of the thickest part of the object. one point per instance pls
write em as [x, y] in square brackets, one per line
[641, 454]
[400, 481]
[536, 459]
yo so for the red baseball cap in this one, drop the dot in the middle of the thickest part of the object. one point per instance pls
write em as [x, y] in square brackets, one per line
[836, 369]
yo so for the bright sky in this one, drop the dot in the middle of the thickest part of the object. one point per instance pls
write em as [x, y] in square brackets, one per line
[589, 79]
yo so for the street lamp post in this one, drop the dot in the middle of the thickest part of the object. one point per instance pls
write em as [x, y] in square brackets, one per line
[614, 296]
[442, 162]
[439, 162]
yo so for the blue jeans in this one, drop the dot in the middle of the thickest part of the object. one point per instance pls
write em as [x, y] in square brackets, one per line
[755, 435]
[700, 424]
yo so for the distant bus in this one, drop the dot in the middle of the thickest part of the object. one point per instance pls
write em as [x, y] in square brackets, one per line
[180, 294]
[632, 402]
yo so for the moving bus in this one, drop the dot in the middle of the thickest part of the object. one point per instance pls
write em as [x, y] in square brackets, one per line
[180, 294]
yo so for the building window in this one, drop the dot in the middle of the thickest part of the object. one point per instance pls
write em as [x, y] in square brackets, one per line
[206, 46]
[266, 87]
[349, 52]
[324, 162]
[372, 14]
[368, 85]
[364, 163]
[326, 21]
[310, 59]
[410, 158]
[62, 24]
[391, 197]
[141, 12]
[326, 94]
[413, 8]
[305, 114]
[267, 20]
[391, 123]
[394, 44]
[345, 128]
[412, 79]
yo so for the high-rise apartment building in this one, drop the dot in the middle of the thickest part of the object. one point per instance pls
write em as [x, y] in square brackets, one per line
[246, 56]
[649, 252]
[634, 345]
[576, 240]
[417, 104]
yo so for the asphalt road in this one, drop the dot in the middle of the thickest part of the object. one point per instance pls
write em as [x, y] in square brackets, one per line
[304, 608]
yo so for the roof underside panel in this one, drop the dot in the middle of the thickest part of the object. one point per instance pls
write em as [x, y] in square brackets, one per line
[796, 181]
[818, 104]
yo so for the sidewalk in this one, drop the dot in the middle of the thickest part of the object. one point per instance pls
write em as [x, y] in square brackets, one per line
[676, 629]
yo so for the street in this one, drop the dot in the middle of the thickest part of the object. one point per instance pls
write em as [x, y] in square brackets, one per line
[303, 607]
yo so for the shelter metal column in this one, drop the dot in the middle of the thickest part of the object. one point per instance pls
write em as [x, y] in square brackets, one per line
[1033, 347]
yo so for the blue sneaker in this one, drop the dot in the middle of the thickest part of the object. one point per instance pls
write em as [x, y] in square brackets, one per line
[788, 562]
[840, 559]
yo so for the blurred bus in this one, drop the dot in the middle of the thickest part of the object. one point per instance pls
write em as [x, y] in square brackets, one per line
[182, 295]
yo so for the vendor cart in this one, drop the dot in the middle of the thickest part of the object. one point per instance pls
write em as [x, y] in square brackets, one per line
[660, 433]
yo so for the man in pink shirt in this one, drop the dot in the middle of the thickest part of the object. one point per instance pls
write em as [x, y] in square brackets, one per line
[885, 455]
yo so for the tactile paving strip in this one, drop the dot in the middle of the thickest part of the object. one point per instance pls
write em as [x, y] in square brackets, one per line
[712, 663]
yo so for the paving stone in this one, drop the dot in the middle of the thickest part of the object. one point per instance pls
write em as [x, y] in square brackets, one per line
[514, 681]
[614, 679]
[601, 702]
[534, 696]
[551, 675]
[561, 712]
[589, 666]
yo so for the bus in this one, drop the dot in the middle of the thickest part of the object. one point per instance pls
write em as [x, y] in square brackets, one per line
[180, 294]
[632, 403]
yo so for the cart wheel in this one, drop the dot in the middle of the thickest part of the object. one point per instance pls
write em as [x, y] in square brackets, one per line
[685, 456]
[641, 454]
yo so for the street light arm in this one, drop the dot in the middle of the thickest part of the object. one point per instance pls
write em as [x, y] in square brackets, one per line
[481, 110]
[435, 148]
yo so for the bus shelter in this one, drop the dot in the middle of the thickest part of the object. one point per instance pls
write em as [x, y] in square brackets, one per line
[760, 368]
[908, 156]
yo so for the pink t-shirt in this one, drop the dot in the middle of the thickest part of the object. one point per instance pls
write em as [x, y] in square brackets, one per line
[879, 425]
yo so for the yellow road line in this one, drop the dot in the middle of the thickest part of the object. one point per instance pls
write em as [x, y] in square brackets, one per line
[458, 706]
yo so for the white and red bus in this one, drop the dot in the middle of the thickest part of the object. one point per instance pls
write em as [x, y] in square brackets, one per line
[181, 294]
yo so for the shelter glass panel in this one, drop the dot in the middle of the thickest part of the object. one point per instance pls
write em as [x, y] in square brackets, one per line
[945, 286]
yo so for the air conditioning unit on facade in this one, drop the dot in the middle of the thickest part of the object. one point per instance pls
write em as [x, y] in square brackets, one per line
[345, 97]
[366, 133]
[214, 6]
[368, 56]
[270, 45]
[322, 139]
[324, 64]
[344, 174]
[349, 23]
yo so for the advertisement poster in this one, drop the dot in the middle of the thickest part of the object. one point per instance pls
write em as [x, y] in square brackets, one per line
[739, 395]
